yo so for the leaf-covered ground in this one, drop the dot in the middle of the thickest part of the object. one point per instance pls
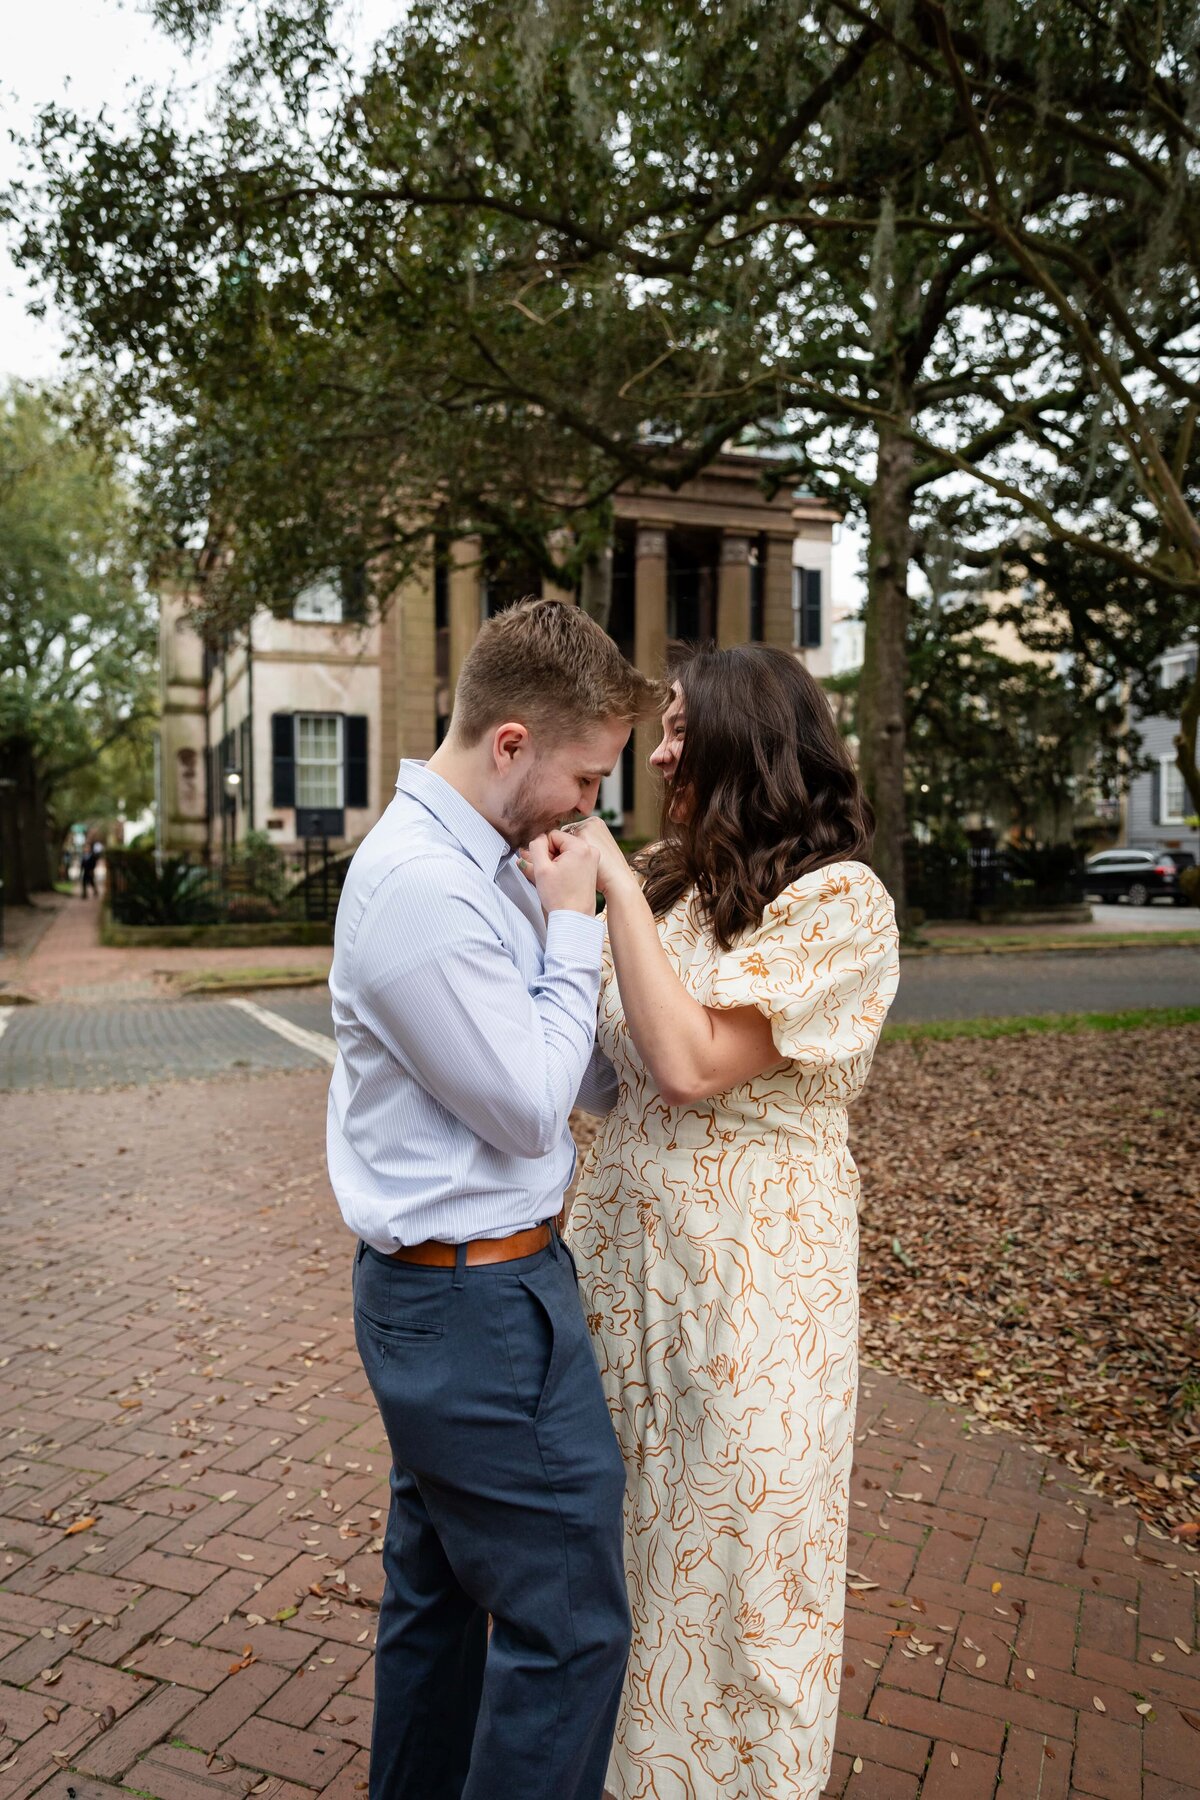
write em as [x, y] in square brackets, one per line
[1031, 1244]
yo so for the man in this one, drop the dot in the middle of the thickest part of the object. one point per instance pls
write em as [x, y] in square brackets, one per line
[464, 1004]
[87, 871]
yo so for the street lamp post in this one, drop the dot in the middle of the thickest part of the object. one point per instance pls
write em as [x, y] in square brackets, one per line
[233, 782]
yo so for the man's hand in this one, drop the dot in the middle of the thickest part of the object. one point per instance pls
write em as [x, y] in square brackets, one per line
[612, 868]
[564, 869]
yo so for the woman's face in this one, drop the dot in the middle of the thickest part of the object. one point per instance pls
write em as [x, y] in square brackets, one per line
[666, 758]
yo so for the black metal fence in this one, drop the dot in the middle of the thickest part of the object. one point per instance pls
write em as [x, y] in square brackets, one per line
[947, 882]
[258, 885]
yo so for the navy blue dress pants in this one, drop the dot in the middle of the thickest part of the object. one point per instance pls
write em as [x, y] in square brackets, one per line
[507, 1490]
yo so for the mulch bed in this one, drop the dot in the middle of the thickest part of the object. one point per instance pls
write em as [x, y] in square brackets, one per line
[1031, 1245]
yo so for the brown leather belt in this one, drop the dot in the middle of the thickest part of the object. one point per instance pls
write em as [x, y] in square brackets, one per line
[479, 1250]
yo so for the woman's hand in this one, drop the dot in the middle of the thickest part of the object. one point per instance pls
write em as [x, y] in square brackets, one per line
[613, 868]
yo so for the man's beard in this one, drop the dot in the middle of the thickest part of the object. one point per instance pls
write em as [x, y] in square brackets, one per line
[524, 819]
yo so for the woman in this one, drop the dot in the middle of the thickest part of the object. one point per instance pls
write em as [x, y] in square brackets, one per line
[715, 1228]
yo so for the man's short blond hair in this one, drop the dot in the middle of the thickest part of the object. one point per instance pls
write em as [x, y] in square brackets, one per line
[550, 667]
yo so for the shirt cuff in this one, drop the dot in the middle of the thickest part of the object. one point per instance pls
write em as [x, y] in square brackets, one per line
[573, 937]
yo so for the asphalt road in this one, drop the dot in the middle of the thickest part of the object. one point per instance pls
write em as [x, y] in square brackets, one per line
[971, 987]
[140, 1043]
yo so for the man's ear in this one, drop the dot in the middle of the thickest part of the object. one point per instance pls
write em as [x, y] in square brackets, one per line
[509, 741]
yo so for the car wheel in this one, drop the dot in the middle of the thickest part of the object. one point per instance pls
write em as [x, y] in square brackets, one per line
[1139, 894]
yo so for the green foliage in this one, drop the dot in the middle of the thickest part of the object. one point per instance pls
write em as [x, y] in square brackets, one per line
[1014, 740]
[76, 630]
[145, 890]
[942, 267]
[262, 865]
[77, 633]
[118, 781]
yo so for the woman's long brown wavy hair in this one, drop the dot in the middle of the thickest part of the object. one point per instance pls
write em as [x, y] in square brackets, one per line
[773, 791]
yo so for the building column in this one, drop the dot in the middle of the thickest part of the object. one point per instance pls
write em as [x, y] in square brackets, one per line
[777, 593]
[407, 701]
[733, 591]
[650, 655]
[465, 602]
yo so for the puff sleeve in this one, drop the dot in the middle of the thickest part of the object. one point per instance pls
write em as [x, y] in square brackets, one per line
[823, 967]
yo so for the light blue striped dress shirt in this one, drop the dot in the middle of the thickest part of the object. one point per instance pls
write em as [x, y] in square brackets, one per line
[465, 1026]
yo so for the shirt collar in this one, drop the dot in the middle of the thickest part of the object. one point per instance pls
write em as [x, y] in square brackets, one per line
[481, 841]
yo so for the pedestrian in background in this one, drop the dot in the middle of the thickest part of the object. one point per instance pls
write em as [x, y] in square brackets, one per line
[87, 871]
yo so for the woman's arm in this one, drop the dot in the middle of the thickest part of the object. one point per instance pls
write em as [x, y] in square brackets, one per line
[692, 1051]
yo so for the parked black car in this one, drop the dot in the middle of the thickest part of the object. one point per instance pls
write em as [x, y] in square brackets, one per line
[1139, 876]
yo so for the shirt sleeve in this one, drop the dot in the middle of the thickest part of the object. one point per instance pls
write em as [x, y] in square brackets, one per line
[598, 1089]
[436, 982]
[823, 968]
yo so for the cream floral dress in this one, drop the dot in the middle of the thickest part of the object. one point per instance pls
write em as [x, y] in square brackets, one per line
[717, 1248]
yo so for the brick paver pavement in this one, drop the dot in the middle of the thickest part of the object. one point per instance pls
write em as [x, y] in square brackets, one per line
[68, 961]
[193, 1479]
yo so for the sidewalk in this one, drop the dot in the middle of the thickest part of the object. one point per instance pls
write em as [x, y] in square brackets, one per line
[68, 961]
[23, 926]
[193, 1483]
[1132, 926]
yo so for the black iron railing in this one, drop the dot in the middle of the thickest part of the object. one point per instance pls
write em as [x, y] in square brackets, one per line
[257, 886]
[960, 883]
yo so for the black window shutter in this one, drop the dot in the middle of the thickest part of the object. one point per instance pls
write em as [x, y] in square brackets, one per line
[355, 730]
[1158, 782]
[283, 759]
[812, 609]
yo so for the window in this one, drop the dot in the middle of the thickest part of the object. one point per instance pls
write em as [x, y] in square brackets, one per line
[1172, 795]
[318, 759]
[806, 609]
[334, 599]
[320, 603]
[1179, 665]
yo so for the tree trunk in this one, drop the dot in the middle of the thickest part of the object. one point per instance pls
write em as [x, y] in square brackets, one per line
[595, 590]
[884, 680]
[13, 758]
[19, 821]
[36, 832]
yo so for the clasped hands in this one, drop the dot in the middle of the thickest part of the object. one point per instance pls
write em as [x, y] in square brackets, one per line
[569, 866]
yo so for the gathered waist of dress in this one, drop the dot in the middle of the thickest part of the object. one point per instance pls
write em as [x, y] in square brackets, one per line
[787, 1134]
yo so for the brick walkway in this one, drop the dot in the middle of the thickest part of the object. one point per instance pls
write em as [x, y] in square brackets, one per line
[177, 1365]
[68, 961]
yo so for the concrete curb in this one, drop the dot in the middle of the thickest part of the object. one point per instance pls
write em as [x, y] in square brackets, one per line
[1143, 941]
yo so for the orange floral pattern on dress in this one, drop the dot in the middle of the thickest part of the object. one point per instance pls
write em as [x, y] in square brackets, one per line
[717, 1246]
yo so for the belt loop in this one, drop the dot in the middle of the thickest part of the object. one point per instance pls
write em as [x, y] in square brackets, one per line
[460, 1263]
